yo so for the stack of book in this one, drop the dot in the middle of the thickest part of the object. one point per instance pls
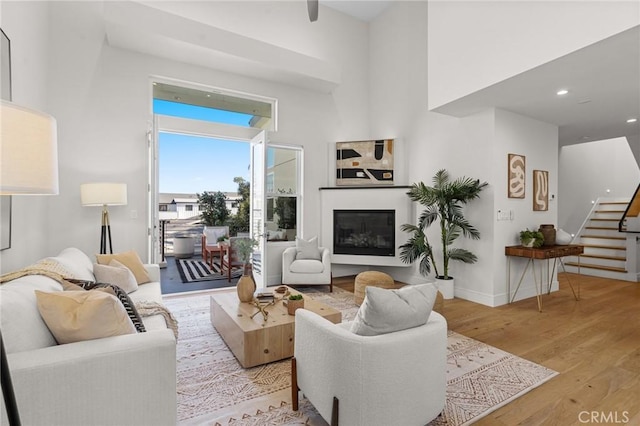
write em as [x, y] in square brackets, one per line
[265, 296]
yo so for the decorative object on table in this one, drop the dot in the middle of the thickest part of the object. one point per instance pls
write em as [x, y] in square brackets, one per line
[531, 238]
[243, 248]
[104, 194]
[563, 238]
[364, 162]
[28, 165]
[540, 191]
[549, 234]
[294, 302]
[516, 180]
[443, 203]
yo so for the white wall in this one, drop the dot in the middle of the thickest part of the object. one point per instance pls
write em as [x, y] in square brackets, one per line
[473, 44]
[26, 24]
[587, 171]
[100, 96]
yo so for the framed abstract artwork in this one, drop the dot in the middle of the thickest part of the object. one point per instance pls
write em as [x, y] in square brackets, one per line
[364, 162]
[540, 190]
[516, 179]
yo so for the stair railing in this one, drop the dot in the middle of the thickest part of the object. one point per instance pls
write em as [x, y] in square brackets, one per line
[632, 211]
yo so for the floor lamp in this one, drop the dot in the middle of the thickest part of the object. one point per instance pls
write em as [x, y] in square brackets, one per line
[104, 194]
[28, 165]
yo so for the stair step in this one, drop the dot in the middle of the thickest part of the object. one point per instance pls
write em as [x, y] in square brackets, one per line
[609, 211]
[600, 267]
[599, 256]
[604, 237]
[605, 220]
[604, 246]
[602, 228]
[602, 203]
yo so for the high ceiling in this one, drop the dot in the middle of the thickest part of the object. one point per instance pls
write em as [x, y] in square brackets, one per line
[603, 83]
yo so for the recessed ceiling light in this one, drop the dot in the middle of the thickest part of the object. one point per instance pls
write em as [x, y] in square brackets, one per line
[562, 92]
[632, 120]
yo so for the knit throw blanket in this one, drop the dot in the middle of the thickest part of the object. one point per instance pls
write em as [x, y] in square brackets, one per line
[54, 270]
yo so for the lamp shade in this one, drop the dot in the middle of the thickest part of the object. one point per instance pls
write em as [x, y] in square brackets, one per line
[103, 194]
[28, 151]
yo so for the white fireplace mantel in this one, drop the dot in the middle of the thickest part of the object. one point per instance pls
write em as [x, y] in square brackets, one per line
[364, 198]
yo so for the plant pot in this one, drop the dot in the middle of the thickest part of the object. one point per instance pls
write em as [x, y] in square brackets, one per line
[184, 246]
[446, 287]
[246, 285]
[293, 305]
[528, 243]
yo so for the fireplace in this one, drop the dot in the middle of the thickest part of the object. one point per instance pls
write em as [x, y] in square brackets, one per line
[364, 232]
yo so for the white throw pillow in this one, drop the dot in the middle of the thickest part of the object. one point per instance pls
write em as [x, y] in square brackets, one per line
[117, 274]
[386, 310]
[307, 249]
[74, 316]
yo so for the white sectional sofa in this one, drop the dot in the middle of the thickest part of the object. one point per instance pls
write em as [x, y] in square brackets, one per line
[120, 380]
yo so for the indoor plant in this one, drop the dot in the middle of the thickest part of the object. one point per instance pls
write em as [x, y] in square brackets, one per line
[294, 302]
[443, 204]
[531, 238]
[246, 284]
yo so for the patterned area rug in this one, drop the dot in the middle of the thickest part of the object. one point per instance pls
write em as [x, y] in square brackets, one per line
[213, 389]
[198, 270]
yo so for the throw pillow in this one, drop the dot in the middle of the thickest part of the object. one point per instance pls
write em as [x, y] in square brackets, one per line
[118, 292]
[307, 249]
[116, 273]
[131, 260]
[386, 310]
[74, 316]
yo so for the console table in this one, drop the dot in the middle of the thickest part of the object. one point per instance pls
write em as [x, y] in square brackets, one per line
[541, 253]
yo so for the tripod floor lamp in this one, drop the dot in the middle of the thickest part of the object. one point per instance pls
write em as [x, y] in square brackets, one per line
[104, 194]
[28, 165]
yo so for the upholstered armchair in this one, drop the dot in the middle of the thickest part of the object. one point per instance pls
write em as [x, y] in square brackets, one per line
[210, 247]
[396, 378]
[306, 271]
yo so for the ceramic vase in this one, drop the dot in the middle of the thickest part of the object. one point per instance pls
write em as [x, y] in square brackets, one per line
[563, 238]
[549, 233]
[246, 285]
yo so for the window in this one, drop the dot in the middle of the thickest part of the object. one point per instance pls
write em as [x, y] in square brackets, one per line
[188, 208]
[163, 208]
[215, 105]
[283, 197]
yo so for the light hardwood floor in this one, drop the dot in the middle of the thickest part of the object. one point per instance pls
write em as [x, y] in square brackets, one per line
[594, 344]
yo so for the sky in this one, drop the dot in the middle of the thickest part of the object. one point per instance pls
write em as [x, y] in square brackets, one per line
[192, 164]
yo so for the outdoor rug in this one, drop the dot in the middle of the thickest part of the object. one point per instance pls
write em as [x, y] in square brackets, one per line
[194, 270]
[213, 389]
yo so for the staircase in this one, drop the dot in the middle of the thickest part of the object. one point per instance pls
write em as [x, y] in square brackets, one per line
[608, 253]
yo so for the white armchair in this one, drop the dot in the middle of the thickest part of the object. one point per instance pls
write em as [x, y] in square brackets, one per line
[397, 378]
[306, 271]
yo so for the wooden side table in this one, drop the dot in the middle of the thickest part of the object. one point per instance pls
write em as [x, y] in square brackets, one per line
[541, 253]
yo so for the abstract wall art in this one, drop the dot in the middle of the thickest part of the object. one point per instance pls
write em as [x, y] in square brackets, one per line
[364, 162]
[516, 178]
[540, 191]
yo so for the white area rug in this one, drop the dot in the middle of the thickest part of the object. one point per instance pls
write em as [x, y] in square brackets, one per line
[213, 389]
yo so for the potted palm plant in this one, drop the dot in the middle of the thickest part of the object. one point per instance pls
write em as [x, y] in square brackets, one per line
[443, 204]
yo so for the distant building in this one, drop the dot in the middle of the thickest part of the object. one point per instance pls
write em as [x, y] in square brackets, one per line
[185, 206]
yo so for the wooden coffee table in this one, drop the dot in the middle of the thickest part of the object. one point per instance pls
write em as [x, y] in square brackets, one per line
[252, 340]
